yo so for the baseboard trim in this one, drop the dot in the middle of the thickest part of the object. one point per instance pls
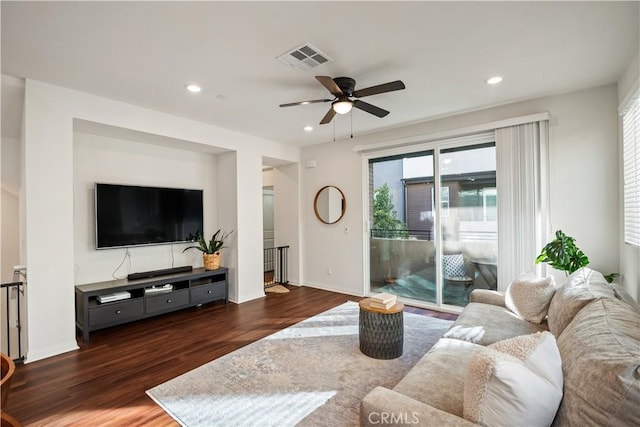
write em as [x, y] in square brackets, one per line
[332, 289]
[34, 356]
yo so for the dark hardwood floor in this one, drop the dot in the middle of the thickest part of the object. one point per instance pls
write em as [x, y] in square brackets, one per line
[104, 383]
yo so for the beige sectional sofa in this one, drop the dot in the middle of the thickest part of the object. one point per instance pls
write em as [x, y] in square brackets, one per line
[597, 330]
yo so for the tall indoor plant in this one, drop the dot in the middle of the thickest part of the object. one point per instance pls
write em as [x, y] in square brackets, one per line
[211, 249]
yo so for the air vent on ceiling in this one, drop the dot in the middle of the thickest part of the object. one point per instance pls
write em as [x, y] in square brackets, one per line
[304, 57]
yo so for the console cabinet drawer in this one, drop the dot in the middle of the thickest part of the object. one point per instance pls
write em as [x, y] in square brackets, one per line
[206, 293]
[115, 312]
[168, 301]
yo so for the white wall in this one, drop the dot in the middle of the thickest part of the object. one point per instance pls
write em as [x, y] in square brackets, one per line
[250, 276]
[9, 207]
[584, 183]
[227, 170]
[48, 189]
[629, 255]
[332, 253]
[267, 177]
[49, 199]
[9, 241]
[117, 161]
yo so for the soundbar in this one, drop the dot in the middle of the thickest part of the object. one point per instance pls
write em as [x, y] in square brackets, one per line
[156, 273]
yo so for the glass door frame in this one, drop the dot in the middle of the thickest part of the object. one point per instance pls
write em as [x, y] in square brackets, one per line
[435, 146]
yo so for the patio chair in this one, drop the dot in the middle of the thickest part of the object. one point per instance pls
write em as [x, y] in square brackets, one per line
[455, 272]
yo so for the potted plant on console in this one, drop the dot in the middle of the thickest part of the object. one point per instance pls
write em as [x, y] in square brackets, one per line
[210, 250]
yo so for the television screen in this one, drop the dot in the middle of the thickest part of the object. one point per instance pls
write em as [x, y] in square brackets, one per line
[130, 215]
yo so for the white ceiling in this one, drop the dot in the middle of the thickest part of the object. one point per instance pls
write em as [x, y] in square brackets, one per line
[144, 53]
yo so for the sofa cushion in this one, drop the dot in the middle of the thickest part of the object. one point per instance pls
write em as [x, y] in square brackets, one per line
[487, 296]
[600, 351]
[580, 288]
[438, 378]
[529, 296]
[485, 324]
[514, 380]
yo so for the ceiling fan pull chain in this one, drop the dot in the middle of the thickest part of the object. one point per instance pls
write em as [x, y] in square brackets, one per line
[351, 124]
[334, 131]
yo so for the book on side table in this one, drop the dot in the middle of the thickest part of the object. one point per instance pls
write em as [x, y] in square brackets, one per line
[383, 301]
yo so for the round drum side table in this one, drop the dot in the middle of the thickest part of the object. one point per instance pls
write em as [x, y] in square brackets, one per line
[381, 331]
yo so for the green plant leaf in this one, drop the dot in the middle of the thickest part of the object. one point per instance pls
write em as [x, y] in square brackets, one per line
[562, 254]
[611, 277]
[213, 245]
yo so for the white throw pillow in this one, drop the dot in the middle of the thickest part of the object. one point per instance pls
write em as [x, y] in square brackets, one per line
[539, 352]
[529, 296]
[522, 384]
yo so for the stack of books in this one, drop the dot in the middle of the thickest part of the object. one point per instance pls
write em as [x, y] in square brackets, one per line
[383, 301]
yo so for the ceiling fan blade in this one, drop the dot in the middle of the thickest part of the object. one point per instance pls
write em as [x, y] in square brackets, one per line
[374, 90]
[365, 106]
[291, 104]
[329, 84]
[328, 117]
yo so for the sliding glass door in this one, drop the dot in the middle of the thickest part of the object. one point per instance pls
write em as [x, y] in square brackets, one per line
[433, 223]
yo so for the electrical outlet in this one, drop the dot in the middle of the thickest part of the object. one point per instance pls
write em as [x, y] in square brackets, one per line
[329, 271]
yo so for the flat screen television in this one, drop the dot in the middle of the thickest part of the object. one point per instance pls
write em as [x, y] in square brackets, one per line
[128, 215]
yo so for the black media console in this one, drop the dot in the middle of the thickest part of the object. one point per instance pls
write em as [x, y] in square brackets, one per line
[148, 297]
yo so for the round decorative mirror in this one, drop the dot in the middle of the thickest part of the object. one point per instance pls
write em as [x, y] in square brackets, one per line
[330, 204]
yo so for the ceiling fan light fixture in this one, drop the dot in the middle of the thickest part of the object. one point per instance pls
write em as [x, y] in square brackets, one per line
[342, 106]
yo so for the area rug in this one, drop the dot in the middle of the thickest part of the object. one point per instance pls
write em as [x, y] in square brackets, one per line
[276, 289]
[309, 374]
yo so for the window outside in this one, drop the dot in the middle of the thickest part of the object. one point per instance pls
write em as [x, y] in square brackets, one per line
[405, 237]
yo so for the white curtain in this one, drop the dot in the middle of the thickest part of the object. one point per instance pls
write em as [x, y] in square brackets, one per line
[522, 184]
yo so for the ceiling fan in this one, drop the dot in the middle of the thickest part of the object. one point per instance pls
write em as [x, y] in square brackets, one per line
[343, 90]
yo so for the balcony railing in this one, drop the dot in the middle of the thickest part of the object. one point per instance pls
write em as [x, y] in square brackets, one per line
[466, 231]
[404, 233]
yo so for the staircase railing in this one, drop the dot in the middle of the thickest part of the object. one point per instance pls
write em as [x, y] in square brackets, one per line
[276, 265]
[12, 300]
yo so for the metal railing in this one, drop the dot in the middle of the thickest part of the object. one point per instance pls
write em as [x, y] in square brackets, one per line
[12, 300]
[402, 233]
[463, 234]
[276, 265]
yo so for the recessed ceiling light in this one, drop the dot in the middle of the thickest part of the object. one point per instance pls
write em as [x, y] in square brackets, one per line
[494, 80]
[308, 128]
[193, 88]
